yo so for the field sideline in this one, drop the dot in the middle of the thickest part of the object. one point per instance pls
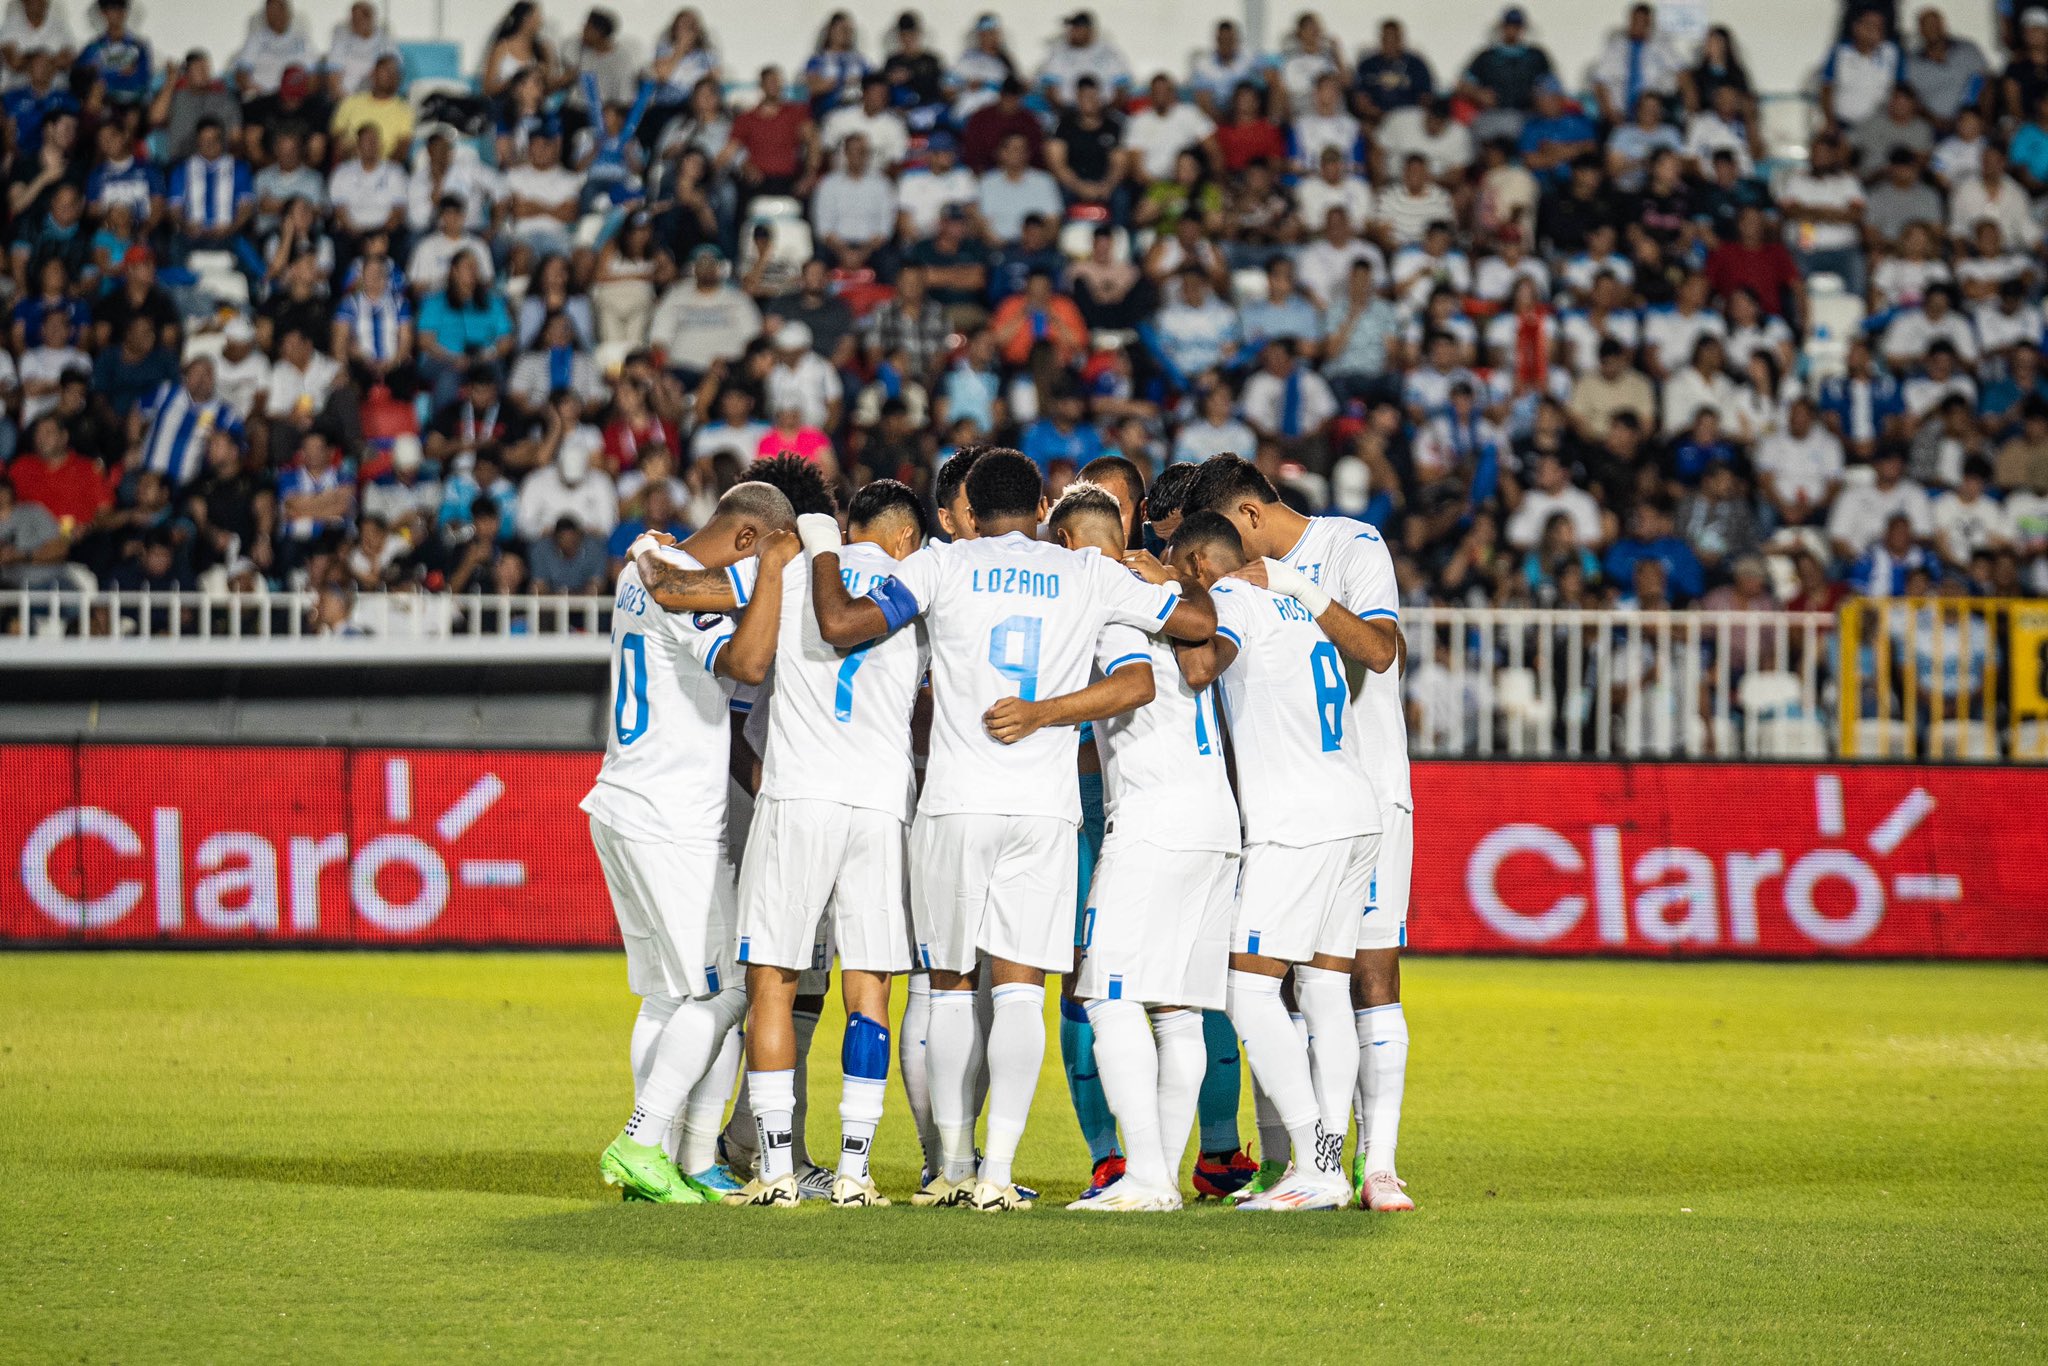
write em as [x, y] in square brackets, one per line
[272, 1156]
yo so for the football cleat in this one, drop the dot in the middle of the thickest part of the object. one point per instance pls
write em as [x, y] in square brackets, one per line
[717, 1180]
[848, 1193]
[1108, 1172]
[1269, 1175]
[1386, 1193]
[991, 1198]
[644, 1172]
[740, 1161]
[1125, 1196]
[1218, 1176]
[1301, 1191]
[941, 1193]
[1028, 1192]
[777, 1194]
[814, 1183]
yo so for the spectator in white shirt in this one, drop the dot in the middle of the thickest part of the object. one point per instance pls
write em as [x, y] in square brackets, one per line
[1860, 512]
[1163, 129]
[451, 169]
[1287, 401]
[1324, 265]
[1217, 73]
[1915, 330]
[543, 195]
[1327, 123]
[1554, 494]
[1637, 61]
[1992, 194]
[1333, 186]
[568, 485]
[368, 192]
[887, 136]
[1427, 130]
[1968, 519]
[1823, 209]
[1218, 431]
[1408, 208]
[358, 42]
[802, 379]
[854, 211]
[1800, 467]
[1859, 75]
[925, 192]
[275, 42]
[38, 28]
[1015, 190]
[426, 270]
[1082, 52]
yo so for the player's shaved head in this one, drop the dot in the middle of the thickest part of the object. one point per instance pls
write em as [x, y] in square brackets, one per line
[1125, 483]
[1207, 546]
[888, 514]
[1004, 486]
[760, 506]
[797, 478]
[1088, 515]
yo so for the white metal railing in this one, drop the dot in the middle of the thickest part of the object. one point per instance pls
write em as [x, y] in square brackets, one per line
[53, 627]
[1537, 683]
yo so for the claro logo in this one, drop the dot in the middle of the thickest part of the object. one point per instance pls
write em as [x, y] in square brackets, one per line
[1677, 895]
[241, 880]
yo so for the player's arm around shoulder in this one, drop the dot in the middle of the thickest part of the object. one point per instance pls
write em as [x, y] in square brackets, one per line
[1192, 616]
[747, 658]
[676, 587]
[1203, 663]
[1126, 684]
[844, 620]
[1373, 640]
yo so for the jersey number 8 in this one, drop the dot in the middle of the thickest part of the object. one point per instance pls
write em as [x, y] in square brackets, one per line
[1331, 694]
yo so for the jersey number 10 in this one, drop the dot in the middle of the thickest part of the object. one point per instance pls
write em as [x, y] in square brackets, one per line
[631, 690]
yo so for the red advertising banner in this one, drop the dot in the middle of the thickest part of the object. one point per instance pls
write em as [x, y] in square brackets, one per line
[222, 845]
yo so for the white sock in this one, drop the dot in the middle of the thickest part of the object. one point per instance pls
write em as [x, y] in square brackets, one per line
[695, 1139]
[949, 1065]
[1325, 999]
[1016, 1052]
[860, 1111]
[984, 1017]
[1183, 1059]
[806, 1022]
[655, 1013]
[910, 1063]
[1279, 1060]
[1128, 1061]
[774, 1097]
[688, 1043]
[1382, 1073]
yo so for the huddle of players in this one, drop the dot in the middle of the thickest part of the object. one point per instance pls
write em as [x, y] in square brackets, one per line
[1224, 666]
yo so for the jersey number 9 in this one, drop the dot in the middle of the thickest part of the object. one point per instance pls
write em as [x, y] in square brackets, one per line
[1013, 651]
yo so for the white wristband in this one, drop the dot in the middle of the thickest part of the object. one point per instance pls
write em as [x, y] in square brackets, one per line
[1285, 578]
[642, 543]
[819, 531]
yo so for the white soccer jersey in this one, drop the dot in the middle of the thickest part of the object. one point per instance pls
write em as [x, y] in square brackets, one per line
[666, 750]
[1285, 698]
[1350, 561]
[1164, 780]
[839, 726]
[1008, 616]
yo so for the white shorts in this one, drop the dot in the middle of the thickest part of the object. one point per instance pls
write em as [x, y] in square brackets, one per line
[999, 885]
[1298, 902]
[1386, 898]
[1157, 927]
[820, 876]
[675, 908]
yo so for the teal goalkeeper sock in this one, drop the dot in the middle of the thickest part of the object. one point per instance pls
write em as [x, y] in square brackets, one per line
[1091, 1107]
[1217, 1104]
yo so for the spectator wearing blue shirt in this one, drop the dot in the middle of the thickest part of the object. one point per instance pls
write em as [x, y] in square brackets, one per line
[213, 199]
[1064, 434]
[121, 177]
[28, 107]
[1700, 448]
[119, 58]
[1392, 77]
[1010, 267]
[1652, 539]
[179, 418]
[1555, 134]
[1194, 331]
[1862, 403]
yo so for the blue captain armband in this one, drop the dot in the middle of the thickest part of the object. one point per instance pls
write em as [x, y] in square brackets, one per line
[898, 603]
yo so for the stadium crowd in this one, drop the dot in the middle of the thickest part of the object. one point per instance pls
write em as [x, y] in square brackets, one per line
[281, 316]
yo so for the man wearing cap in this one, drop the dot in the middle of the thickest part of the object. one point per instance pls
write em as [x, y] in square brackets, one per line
[1082, 52]
[703, 319]
[1502, 79]
[804, 380]
[1555, 133]
[915, 76]
[926, 191]
[242, 374]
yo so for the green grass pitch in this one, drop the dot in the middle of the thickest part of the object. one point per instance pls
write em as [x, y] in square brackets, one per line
[321, 1157]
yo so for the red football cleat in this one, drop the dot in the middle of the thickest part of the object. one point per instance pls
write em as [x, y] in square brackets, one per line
[1219, 1176]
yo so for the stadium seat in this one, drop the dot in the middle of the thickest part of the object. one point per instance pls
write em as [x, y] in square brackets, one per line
[432, 61]
[774, 208]
[1836, 315]
[420, 91]
[611, 355]
[1787, 126]
[1524, 712]
[1248, 287]
[207, 344]
[1954, 739]
[1077, 240]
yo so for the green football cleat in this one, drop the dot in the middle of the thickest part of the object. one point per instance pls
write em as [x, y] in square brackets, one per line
[1358, 1178]
[644, 1172]
[1268, 1176]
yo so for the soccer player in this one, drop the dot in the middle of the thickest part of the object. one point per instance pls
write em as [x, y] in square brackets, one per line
[1311, 833]
[1341, 570]
[1157, 925]
[657, 818]
[993, 841]
[826, 851]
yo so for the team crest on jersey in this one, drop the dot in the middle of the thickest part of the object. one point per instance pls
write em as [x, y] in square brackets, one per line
[705, 621]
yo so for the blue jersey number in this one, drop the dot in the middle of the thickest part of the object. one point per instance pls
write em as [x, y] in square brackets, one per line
[842, 698]
[632, 689]
[1331, 693]
[1013, 650]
